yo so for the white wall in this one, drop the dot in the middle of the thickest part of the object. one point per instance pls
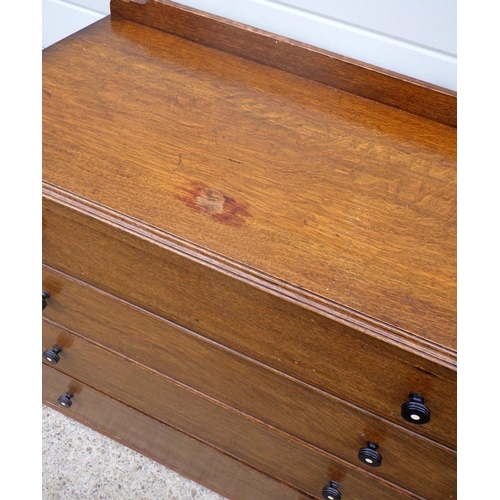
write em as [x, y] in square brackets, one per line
[61, 18]
[417, 38]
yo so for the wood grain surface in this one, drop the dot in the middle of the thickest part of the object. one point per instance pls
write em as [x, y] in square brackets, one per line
[409, 462]
[166, 445]
[292, 339]
[290, 237]
[298, 58]
[341, 198]
[239, 381]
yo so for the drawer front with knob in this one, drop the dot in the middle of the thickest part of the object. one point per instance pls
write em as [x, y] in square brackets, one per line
[427, 469]
[289, 338]
[162, 443]
[287, 404]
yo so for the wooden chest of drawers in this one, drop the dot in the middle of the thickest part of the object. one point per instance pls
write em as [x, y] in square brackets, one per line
[246, 272]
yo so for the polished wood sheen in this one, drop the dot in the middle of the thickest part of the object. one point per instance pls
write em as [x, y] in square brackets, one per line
[282, 401]
[295, 57]
[347, 200]
[410, 462]
[244, 252]
[166, 445]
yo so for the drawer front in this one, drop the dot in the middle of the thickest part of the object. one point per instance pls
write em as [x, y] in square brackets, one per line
[248, 439]
[282, 402]
[347, 363]
[160, 442]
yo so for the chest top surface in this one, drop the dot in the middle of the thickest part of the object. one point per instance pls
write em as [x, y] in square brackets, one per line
[348, 203]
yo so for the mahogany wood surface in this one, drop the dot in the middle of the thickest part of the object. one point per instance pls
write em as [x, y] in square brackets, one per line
[410, 462]
[166, 445]
[311, 62]
[292, 339]
[348, 201]
[226, 375]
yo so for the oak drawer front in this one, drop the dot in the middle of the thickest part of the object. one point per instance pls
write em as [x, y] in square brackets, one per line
[304, 344]
[162, 443]
[428, 471]
[284, 403]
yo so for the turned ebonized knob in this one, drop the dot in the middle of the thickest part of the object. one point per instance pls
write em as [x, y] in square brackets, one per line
[370, 456]
[415, 411]
[331, 491]
[51, 355]
[65, 400]
[45, 296]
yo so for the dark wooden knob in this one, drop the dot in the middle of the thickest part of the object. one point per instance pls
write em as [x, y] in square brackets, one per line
[65, 400]
[370, 456]
[331, 491]
[415, 411]
[45, 296]
[51, 355]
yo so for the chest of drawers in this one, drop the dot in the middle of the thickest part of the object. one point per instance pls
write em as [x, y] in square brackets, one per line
[248, 275]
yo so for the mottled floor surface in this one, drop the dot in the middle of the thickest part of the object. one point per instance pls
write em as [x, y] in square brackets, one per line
[81, 464]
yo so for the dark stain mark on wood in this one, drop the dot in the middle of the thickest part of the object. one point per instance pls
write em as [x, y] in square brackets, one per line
[218, 206]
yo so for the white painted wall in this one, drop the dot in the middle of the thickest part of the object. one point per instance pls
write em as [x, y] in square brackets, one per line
[417, 38]
[61, 18]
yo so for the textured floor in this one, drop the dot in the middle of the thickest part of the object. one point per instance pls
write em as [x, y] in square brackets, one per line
[81, 464]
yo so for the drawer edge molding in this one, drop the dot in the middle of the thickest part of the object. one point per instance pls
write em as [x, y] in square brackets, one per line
[376, 329]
